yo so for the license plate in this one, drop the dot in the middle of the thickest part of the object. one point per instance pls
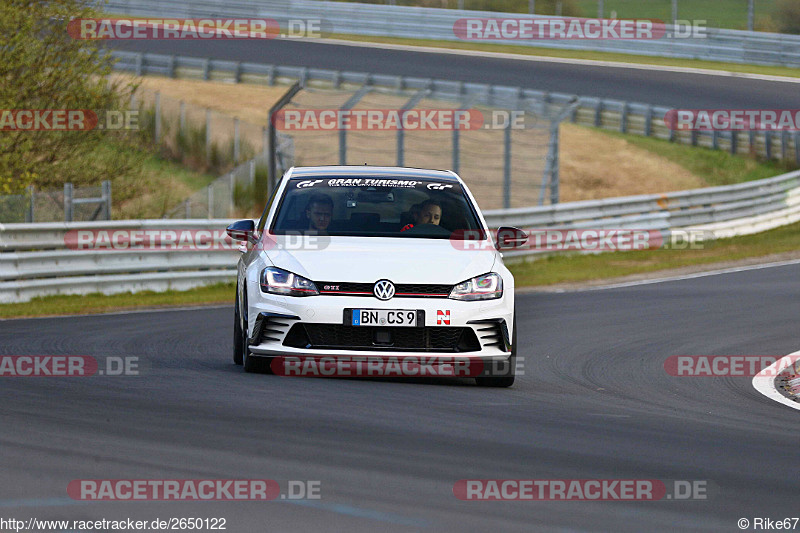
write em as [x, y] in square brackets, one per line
[383, 317]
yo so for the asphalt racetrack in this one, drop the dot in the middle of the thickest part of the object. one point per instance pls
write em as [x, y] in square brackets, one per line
[673, 89]
[594, 403]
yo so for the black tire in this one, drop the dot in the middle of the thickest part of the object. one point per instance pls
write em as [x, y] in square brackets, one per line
[503, 381]
[256, 365]
[237, 331]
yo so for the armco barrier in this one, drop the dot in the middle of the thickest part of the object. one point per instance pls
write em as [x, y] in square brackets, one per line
[732, 46]
[35, 260]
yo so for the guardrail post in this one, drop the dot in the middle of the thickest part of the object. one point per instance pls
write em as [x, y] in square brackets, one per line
[598, 111]
[648, 121]
[715, 139]
[206, 69]
[106, 196]
[171, 66]
[734, 141]
[695, 136]
[158, 117]
[623, 118]
[271, 75]
[236, 141]
[237, 72]
[139, 64]
[68, 202]
[752, 137]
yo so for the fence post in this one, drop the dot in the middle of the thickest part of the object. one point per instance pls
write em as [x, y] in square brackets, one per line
[232, 185]
[182, 115]
[158, 117]
[68, 202]
[263, 189]
[507, 166]
[106, 195]
[208, 136]
[236, 141]
[29, 214]
[187, 208]
[210, 201]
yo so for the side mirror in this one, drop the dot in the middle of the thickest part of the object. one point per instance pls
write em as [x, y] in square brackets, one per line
[510, 237]
[241, 230]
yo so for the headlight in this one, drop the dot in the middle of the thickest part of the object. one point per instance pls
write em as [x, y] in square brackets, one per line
[486, 287]
[279, 281]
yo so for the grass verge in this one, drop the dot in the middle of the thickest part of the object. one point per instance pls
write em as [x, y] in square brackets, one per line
[219, 293]
[715, 167]
[586, 267]
[542, 272]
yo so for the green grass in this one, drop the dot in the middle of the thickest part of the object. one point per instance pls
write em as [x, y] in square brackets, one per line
[719, 13]
[715, 167]
[584, 267]
[220, 293]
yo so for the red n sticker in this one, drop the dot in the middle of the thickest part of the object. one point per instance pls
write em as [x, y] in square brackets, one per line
[443, 317]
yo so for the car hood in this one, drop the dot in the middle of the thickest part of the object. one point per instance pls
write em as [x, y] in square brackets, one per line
[369, 259]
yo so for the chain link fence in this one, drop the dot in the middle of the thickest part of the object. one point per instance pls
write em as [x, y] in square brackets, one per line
[66, 205]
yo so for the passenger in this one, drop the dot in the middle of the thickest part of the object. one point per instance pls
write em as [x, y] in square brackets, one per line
[430, 212]
[319, 211]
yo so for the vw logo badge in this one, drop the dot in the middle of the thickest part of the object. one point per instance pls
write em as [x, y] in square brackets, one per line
[383, 290]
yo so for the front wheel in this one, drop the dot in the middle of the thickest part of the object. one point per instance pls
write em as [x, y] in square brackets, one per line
[237, 331]
[507, 380]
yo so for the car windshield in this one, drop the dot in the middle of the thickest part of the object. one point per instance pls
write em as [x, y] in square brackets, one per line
[376, 207]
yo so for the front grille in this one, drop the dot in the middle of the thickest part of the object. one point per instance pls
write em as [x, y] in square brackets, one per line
[423, 339]
[402, 290]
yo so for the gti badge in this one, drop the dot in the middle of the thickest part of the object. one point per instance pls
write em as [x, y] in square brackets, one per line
[383, 290]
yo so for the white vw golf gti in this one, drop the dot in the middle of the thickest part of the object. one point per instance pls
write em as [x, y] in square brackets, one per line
[359, 261]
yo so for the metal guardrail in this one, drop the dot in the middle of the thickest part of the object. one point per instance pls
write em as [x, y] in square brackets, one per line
[627, 117]
[35, 259]
[733, 46]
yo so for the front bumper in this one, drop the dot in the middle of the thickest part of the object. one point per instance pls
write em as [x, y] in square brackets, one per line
[315, 326]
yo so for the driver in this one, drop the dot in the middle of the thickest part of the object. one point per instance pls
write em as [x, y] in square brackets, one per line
[429, 212]
[319, 211]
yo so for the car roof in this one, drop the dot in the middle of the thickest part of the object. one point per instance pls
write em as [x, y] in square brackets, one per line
[373, 172]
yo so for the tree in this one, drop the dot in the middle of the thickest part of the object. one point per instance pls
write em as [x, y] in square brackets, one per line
[43, 68]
